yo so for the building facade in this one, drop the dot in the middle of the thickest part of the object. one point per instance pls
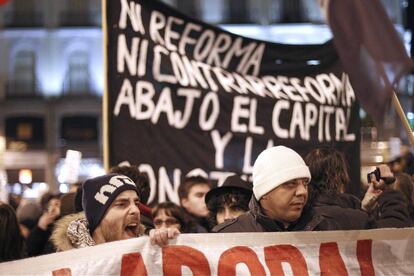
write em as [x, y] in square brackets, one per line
[51, 72]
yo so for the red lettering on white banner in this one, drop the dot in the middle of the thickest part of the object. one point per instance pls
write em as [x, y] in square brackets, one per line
[237, 255]
[276, 254]
[309, 254]
[176, 256]
[133, 265]
[364, 255]
[330, 260]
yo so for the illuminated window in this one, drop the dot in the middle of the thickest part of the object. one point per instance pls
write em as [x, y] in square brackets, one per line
[79, 129]
[77, 79]
[25, 132]
[23, 80]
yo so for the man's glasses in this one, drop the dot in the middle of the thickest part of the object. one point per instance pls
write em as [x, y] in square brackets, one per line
[168, 222]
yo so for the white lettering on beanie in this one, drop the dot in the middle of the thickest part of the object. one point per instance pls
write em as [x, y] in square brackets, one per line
[98, 194]
[114, 183]
[275, 166]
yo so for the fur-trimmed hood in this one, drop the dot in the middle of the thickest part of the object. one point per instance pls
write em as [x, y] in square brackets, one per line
[60, 238]
[72, 232]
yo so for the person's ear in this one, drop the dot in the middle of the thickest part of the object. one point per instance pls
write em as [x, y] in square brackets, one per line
[184, 202]
[263, 200]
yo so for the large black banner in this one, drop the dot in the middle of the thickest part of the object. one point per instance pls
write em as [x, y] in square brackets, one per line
[186, 97]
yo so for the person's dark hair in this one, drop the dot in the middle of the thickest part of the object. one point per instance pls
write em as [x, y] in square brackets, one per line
[11, 239]
[44, 200]
[190, 182]
[67, 206]
[408, 163]
[14, 200]
[328, 169]
[235, 199]
[139, 178]
[28, 214]
[75, 185]
[405, 186]
[78, 199]
[173, 210]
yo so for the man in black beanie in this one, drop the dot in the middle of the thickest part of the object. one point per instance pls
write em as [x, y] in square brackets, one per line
[111, 208]
[110, 203]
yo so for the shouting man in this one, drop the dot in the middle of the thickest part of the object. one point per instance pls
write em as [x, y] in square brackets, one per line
[111, 213]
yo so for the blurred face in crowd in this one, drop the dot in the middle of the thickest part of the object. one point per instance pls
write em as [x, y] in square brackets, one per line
[285, 203]
[228, 213]
[396, 167]
[162, 220]
[53, 206]
[121, 221]
[194, 203]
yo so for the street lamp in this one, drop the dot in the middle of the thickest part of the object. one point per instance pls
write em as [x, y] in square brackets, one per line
[25, 176]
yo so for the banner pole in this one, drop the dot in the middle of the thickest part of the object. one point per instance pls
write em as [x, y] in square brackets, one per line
[105, 132]
[403, 118]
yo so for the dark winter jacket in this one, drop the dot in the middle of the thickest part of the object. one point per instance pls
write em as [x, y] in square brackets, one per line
[256, 221]
[38, 243]
[196, 224]
[343, 211]
[411, 211]
[391, 211]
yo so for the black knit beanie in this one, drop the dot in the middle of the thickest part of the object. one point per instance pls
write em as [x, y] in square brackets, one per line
[100, 192]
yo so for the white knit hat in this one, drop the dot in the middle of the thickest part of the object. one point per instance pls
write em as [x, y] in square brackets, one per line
[275, 166]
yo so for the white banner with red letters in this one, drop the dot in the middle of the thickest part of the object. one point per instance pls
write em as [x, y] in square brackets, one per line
[365, 253]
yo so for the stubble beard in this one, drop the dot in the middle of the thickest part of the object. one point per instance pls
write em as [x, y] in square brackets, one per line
[112, 232]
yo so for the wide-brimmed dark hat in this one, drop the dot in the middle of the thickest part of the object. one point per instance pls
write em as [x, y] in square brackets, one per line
[232, 183]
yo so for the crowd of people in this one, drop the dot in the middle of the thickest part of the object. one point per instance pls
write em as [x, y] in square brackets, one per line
[288, 193]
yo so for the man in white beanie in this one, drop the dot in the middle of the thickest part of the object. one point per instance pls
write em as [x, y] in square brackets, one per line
[280, 193]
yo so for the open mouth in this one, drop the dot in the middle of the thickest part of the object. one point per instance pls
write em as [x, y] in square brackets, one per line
[132, 230]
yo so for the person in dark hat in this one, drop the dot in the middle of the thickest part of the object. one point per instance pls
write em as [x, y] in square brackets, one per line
[142, 182]
[229, 200]
[110, 203]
